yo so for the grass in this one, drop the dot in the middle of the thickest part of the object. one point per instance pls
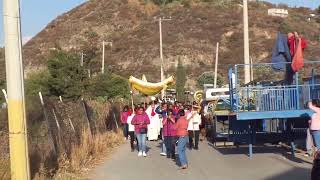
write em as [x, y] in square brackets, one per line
[84, 155]
[4, 168]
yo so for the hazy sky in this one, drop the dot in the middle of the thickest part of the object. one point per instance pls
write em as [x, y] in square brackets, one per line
[36, 14]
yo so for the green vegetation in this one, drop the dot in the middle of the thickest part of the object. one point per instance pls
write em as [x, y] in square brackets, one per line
[65, 77]
[208, 78]
[109, 86]
[180, 81]
[2, 86]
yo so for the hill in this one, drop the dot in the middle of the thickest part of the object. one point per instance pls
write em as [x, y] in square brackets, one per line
[191, 35]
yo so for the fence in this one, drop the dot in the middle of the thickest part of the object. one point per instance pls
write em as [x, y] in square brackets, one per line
[55, 127]
[271, 90]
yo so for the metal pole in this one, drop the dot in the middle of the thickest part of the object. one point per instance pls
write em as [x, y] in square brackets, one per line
[161, 55]
[102, 64]
[216, 66]
[19, 158]
[246, 42]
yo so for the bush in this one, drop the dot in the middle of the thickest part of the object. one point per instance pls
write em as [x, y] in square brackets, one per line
[66, 77]
[2, 86]
[181, 81]
[109, 86]
[208, 78]
[37, 82]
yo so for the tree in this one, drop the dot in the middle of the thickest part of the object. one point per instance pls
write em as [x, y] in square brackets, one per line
[66, 77]
[318, 9]
[109, 86]
[180, 81]
[208, 78]
[37, 82]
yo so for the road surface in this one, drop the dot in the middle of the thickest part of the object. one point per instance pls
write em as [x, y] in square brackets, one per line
[207, 163]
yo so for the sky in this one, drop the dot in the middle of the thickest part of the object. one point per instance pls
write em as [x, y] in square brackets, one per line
[36, 14]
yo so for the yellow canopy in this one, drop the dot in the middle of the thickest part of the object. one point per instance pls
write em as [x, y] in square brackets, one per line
[148, 88]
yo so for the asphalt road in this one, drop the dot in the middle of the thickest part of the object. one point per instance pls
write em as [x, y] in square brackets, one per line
[207, 163]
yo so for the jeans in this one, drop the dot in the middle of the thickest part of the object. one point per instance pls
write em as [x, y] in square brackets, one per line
[182, 150]
[125, 128]
[196, 138]
[142, 142]
[169, 142]
[316, 138]
[132, 138]
[163, 150]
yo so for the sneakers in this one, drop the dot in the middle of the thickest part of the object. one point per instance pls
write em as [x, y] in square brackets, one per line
[140, 153]
[144, 154]
[163, 154]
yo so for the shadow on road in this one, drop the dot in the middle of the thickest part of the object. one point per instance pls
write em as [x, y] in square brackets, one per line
[258, 149]
[293, 174]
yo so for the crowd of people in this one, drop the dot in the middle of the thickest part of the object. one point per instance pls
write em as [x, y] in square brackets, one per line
[177, 125]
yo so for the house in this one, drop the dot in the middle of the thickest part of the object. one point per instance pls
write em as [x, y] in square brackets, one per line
[278, 12]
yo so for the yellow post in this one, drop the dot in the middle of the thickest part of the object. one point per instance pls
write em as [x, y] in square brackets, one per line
[19, 158]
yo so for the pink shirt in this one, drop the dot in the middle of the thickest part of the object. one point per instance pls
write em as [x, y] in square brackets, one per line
[315, 118]
[182, 127]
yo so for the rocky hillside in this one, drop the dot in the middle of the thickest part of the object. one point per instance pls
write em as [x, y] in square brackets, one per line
[191, 35]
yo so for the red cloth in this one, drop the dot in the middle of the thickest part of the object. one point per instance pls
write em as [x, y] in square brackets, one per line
[297, 45]
[152, 112]
[297, 62]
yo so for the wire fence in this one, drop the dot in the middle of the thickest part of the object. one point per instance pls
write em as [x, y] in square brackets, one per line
[55, 128]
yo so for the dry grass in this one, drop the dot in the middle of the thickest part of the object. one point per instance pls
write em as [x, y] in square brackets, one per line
[84, 155]
[4, 168]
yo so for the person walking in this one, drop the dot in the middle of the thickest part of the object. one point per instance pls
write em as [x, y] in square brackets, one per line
[194, 128]
[182, 133]
[154, 126]
[169, 133]
[162, 111]
[124, 118]
[140, 122]
[131, 132]
[314, 105]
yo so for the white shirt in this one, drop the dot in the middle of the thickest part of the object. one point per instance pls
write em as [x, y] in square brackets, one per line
[131, 127]
[194, 122]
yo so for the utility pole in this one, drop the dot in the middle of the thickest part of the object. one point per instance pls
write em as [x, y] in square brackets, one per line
[18, 143]
[81, 62]
[216, 67]
[246, 42]
[161, 51]
[103, 52]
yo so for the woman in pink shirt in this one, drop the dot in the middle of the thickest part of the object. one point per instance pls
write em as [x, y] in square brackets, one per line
[315, 122]
[140, 122]
[182, 133]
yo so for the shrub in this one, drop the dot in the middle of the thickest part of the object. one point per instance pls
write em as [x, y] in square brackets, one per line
[109, 86]
[66, 77]
[37, 82]
[180, 81]
[208, 78]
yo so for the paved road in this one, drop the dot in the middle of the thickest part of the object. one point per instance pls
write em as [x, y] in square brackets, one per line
[207, 163]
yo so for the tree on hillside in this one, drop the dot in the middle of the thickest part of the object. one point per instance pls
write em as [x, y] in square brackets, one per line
[109, 86]
[66, 77]
[318, 9]
[181, 79]
[208, 78]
